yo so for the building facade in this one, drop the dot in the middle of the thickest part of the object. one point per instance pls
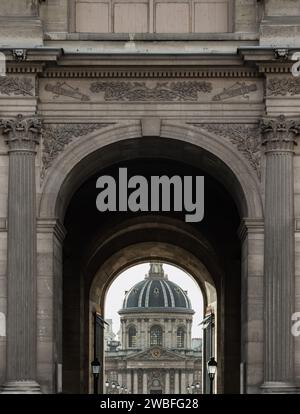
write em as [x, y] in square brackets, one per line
[155, 354]
[193, 87]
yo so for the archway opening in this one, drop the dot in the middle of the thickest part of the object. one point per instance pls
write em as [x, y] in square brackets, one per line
[153, 332]
[99, 246]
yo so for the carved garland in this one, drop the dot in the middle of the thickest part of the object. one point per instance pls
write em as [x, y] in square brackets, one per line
[55, 138]
[16, 86]
[162, 91]
[283, 86]
[246, 138]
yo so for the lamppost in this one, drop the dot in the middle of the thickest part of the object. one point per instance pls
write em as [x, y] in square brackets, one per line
[212, 369]
[95, 371]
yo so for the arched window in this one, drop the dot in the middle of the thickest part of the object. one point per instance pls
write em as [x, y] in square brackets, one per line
[180, 338]
[132, 337]
[155, 335]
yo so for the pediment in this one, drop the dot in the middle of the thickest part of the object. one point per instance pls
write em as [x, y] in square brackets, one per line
[155, 354]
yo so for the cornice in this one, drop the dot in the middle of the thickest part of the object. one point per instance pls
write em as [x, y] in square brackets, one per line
[269, 59]
[31, 55]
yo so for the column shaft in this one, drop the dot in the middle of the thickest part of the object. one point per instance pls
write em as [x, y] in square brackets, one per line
[279, 136]
[176, 382]
[135, 382]
[167, 383]
[183, 382]
[145, 383]
[21, 256]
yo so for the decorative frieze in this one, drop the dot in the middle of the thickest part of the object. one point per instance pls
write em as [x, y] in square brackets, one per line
[161, 91]
[16, 86]
[283, 86]
[246, 138]
[56, 137]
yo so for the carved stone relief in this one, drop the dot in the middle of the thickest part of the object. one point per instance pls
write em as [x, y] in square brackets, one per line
[16, 86]
[246, 138]
[64, 89]
[283, 86]
[162, 91]
[56, 137]
[189, 90]
[237, 89]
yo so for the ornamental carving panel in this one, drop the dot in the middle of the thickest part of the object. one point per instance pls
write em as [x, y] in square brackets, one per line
[283, 86]
[246, 138]
[161, 91]
[56, 137]
[16, 86]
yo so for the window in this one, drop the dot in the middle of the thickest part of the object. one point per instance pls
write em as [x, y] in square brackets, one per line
[155, 16]
[132, 337]
[155, 336]
[180, 338]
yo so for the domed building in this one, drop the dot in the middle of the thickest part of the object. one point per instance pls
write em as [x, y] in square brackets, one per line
[155, 353]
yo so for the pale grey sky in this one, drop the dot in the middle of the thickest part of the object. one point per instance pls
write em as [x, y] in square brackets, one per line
[135, 274]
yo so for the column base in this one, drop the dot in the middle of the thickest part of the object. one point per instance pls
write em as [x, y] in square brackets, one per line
[274, 387]
[21, 387]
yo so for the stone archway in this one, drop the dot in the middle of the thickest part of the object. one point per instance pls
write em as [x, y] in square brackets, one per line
[168, 253]
[73, 167]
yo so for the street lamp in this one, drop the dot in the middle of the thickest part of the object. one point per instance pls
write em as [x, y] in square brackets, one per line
[212, 369]
[95, 371]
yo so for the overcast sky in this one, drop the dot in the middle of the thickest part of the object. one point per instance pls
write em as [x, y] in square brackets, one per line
[135, 274]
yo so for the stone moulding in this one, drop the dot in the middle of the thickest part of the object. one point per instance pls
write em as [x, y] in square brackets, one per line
[162, 91]
[16, 86]
[247, 140]
[56, 137]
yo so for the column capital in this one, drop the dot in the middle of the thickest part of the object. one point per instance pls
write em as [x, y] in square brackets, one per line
[21, 133]
[279, 134]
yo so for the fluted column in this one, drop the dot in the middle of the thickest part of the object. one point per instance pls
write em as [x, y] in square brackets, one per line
[279, 272]
[22, 136]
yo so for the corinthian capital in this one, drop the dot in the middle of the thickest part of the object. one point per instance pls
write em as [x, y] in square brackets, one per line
[279, 133]
[21, 133]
